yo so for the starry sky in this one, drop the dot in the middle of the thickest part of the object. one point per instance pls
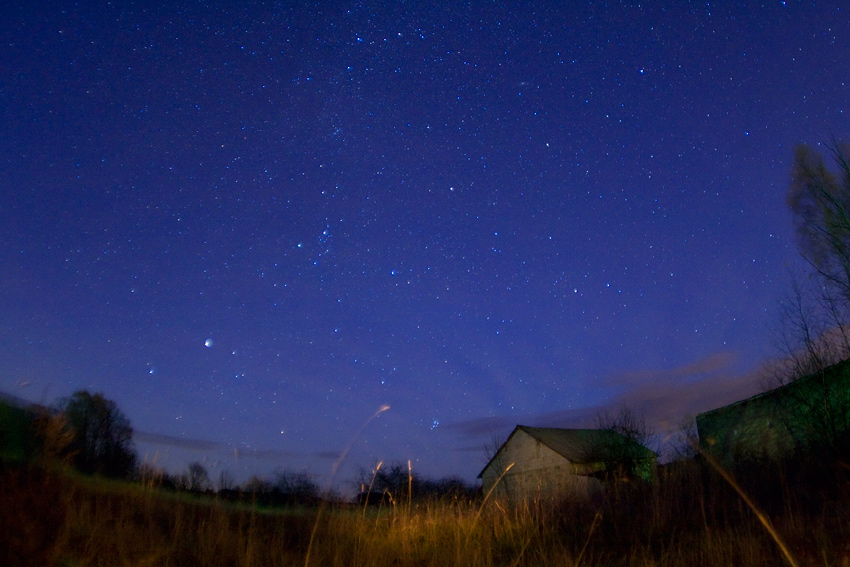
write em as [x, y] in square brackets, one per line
[252, 225]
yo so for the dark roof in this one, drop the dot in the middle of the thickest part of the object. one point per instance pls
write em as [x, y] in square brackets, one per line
[579, 446]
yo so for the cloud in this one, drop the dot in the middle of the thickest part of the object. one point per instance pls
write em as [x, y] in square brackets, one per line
[275, 455]
[711, 365]
[664, 397]
[482, 426]
[214, 446]
[172, 441]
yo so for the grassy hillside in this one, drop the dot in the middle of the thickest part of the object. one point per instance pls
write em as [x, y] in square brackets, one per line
[690, 517]
[793, 512]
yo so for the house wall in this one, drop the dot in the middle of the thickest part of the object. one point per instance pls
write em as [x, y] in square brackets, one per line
[747, 430]
[538, 472]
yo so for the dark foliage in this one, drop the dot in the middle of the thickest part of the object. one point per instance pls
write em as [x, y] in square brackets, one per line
[197, 478]
[626, 456]
[102, 437]
[287, 489]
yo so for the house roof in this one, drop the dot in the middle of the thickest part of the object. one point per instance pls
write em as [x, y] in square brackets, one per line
[579, 446]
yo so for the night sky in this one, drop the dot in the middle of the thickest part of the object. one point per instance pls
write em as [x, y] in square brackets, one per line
[252, 225]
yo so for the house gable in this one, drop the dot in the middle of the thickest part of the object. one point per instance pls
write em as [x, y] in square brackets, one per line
[537, 471]
[546, 462]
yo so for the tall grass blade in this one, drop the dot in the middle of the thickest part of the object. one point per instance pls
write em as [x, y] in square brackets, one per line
[752, 505]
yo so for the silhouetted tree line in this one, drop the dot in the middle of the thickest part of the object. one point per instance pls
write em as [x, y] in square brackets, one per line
[89, 433]
[285, 488]
[85, 431]
[397, 483]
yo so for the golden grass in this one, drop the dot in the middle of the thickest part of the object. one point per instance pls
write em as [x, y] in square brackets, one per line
[690, 517]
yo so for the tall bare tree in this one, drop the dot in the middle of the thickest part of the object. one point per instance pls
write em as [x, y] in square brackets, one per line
[820, 202]
[815, 319]
[819, 199]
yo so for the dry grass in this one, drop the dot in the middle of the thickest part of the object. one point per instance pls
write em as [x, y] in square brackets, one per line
[690, 517]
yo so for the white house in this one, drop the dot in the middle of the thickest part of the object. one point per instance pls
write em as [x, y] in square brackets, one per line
[536, 462]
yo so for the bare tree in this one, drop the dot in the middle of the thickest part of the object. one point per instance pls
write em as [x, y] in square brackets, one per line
[627, 423]
[491, 448]
[684, 444]
[820, 203]
[197, 478]
[628, 454]
[296, 486]
[226, 480]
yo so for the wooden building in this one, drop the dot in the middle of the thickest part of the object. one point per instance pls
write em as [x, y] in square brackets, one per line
[812, 413]
[545, 463]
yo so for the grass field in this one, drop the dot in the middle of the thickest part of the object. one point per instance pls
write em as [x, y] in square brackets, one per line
[689, 517]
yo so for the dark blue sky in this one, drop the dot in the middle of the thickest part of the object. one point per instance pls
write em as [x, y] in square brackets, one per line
[252, 226]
